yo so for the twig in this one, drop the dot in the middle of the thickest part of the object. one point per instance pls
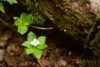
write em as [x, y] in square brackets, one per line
[7, 24]
[42, 28]
[36, 27]
[3, 22]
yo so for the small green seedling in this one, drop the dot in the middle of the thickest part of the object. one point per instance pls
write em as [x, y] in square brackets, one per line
[23, 22]
[35, 45]
[11, 1]
[2, 7]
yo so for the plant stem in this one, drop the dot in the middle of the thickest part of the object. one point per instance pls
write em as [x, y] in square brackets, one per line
[39, 62]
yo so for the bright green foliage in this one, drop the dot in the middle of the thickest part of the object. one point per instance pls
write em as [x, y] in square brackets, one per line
[33, 44]
[12, 1]
[1, 7]
[22, 29]
[31, 36]
[23, 22]
[35, 50]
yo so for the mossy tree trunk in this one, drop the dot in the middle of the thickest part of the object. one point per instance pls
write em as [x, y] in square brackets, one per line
[76, 17]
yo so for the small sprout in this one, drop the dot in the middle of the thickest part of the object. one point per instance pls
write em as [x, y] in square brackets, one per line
[35, 45]
[23, 22]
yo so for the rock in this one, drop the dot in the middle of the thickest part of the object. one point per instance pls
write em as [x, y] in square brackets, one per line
[2, 43]
[61, 62]
[2, 54]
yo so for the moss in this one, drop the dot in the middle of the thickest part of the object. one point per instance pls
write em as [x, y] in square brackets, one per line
[91, 63]
[61, 14]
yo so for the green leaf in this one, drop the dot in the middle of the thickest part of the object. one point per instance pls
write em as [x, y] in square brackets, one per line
[18, 22]
[22, 29]
[26, 18]
[27, 44]
[1, 8]
[23, 15]
[41, 46]
[31, 36]
[37, 53]
[41, 39]
[30, 50]
[12, 1]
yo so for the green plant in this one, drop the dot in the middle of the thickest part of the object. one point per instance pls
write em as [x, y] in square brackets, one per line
[35, 45]
[2, 7]
[9, 1]
[23, 22]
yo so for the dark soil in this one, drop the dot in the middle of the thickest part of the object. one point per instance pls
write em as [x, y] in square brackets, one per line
[59, 53]
[12, 53]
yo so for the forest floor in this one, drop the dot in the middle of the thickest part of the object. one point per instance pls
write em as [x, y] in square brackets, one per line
[12, 53]
[62, 50]
[59, 53]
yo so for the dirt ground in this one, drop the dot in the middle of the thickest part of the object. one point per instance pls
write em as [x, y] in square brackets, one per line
[12, 53]
[62, 50]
